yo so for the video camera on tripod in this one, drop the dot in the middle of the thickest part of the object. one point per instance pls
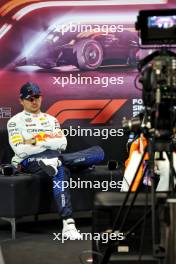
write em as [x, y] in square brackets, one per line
[157, 123]
[157, 74]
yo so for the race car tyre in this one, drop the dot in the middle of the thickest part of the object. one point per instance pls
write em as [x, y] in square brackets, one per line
[89, 54]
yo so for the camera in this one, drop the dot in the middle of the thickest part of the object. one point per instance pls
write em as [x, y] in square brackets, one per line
[157, 74]
[157, 26]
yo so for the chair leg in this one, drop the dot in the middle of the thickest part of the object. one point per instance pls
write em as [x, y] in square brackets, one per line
[13, 225]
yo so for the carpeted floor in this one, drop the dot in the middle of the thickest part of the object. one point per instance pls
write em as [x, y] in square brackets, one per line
[35, 244]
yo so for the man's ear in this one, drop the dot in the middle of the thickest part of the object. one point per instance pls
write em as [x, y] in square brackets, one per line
[21, 101]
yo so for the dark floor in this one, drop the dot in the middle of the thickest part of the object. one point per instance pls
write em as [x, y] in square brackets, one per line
[35, 245]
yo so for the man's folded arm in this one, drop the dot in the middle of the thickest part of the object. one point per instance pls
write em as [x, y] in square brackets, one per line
[57, 141]
[18, 144]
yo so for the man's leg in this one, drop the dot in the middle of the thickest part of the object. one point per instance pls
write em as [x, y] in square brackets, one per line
[62, 196]
[60, 189]
[61, 192]
[83, 158]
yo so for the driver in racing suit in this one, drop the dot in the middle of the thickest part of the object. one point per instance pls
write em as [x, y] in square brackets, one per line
[37, 139]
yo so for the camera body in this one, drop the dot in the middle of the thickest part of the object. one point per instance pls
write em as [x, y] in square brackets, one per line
[157, 26]
[157, 75]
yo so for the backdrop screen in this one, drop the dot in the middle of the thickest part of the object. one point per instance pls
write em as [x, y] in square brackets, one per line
[84, 57]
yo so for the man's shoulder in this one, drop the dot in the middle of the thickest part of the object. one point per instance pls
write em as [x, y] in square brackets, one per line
[14, 119]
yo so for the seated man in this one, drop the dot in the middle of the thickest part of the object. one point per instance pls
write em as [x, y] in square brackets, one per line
[37, 140]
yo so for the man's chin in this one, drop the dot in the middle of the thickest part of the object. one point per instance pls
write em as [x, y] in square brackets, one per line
[35, 110]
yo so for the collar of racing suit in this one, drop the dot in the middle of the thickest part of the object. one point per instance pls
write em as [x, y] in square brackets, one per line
[31, 114]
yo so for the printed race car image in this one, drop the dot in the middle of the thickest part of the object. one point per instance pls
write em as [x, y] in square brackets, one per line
[85, 50]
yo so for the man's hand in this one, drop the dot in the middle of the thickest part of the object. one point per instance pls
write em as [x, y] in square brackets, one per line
[31, 141]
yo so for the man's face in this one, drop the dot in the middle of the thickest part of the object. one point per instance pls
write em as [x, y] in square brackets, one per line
[32, 104]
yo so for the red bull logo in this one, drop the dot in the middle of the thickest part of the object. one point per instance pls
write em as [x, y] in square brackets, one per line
[42, 136]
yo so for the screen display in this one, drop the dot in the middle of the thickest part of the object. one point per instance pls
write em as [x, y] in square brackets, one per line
[161, 22]
[157, 26]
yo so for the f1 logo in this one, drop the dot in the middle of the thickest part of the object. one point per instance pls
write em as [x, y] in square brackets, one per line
[98, 111]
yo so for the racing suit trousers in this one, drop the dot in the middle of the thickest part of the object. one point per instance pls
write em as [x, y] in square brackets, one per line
[61, 193]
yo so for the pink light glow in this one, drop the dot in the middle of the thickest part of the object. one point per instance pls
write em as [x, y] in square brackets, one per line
[35, 6]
